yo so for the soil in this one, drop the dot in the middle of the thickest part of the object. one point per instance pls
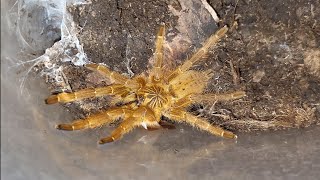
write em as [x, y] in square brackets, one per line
[271, 52]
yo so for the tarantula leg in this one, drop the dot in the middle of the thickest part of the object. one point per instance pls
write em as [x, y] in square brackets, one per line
[207, 98]
[87, 93]
[95, 120]
[183, 102]
[116, 77]
[161, 125]
[158, 63]
[213, 39]
[154, 127]
[181, 115]
[125, 127]
[142, 116]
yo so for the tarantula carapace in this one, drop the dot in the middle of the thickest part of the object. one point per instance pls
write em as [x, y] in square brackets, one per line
[146, 98]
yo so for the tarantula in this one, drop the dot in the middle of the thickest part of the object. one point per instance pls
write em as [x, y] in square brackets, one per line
[147, 97]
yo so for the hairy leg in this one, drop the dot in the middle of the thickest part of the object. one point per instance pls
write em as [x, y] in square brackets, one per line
[87, 93]
[189, 82]
[181, 115]
[211, 97]
[125, 127]
[160, 125]
[158, 63]
[114, 76]
[206, 98]
[213, 39]
[142, 116]
[95, 120]
[117, 78]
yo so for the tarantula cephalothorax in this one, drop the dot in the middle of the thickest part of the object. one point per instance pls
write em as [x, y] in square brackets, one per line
[146, 98]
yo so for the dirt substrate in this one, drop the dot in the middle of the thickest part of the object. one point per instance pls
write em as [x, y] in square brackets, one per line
[272, 53]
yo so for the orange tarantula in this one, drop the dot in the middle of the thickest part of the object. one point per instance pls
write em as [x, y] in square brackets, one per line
[146, 98]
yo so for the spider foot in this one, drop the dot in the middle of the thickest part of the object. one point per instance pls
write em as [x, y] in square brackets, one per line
[228, 134]
[162, 125]
[66, 127]
[52, 99]
[106, 140]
